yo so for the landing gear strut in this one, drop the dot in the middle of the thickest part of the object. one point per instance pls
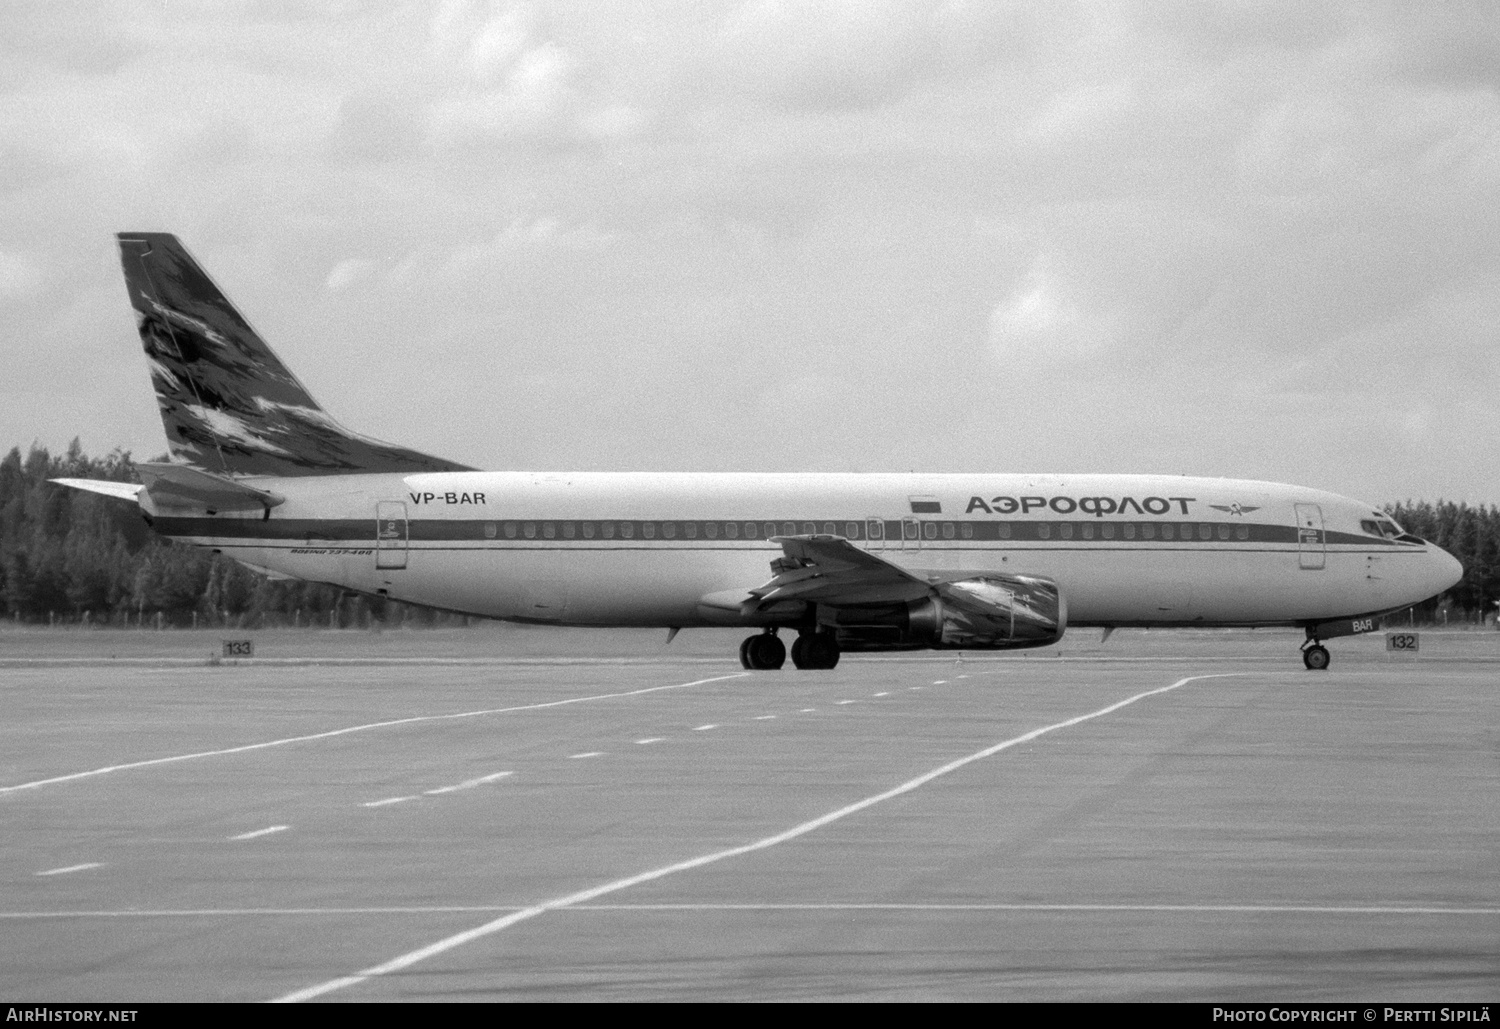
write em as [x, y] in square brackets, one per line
[815, 650]
[764, 652]
[1314, 654]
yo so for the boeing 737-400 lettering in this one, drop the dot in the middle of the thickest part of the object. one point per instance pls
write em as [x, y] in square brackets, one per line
[261, 473]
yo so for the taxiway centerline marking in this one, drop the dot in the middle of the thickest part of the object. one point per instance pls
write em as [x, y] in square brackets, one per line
[1207, 909]
[353, 729]
[764, 718]
[467, 784]
[704, 728]
[387, 800]
[649, 739]
[587, 753]
[261, 832]
[72, 868]
[583, 896]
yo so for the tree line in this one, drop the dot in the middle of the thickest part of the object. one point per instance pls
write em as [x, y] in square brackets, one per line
[72, 557]
[69, 556]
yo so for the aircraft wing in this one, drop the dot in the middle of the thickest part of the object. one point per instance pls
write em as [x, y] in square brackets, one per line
[831, 570]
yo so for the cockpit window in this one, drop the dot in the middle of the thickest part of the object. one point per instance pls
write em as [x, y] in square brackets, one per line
[1381, 527]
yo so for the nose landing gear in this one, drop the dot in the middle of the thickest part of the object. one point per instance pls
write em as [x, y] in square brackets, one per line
[1315, 655]
[764, 652]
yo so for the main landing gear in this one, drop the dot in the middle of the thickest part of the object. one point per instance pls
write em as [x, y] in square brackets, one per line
[810, 650]
[762, 653]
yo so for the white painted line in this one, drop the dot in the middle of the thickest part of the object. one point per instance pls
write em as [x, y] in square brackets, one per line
[467, 784]
[848, 702]
[764, 718]
[808, 710]
[72, 868]
[357, 728]
[387, 800]
[939, 682]
[484, 909]
[649, 739]
[1207, 909]
[886, 694]
[704, 728]
[590, 753]
[261, 832]
[584, 896]
[913, 687]
[963, 676]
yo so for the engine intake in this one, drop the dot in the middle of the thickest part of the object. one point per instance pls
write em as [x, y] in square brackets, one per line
[994, 611]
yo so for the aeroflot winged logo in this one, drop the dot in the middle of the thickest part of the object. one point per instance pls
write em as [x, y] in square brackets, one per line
[1234, 509]
[1096, 506]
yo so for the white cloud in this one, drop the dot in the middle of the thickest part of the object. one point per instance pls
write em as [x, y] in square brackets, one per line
[1041, 325]
[347, 273]
[20, 277]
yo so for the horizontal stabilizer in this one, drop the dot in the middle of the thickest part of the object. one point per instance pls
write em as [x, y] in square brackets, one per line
[118, 490]
[178, 485]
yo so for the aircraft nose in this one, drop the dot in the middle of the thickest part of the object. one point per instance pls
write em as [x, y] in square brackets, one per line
[1446, 569]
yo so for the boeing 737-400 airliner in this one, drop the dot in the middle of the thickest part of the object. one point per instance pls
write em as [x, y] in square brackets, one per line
[261, 473]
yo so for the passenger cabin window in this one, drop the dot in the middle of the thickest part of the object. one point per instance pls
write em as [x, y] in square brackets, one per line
[588, 530]
[1129, 530]
[1223, 532]
[549, 530]
[929, 530]
[947, 530]
[607, 530]
[1242, 532]
[1205, 531]
[648, 530]
[875, 529]
[1003, 530]
[569, 530]
[489, 530]
[967, 531]
[731, 531]
[1107, 530]
[529, 530]
[627, 530]
[1168, 531]
[1088, 531]
[1067, 530]
[851, 530]
[1148, 531]
[1043, 531]
[510, 530]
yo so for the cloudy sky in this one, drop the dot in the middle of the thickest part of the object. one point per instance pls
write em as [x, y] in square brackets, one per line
[1258, 240]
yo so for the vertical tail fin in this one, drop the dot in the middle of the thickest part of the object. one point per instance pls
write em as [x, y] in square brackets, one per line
[227, 402]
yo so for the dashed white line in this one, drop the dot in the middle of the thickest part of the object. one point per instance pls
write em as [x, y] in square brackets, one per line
[764, 718]
[593, 893]
[467, 784]
[886, 694]
[649, 739]
[808, 710]
[939, 682]
[261, 832]
[72, 868]
[587, 753]
[704, 728]
[387, 800]
[848, 702]
[356, 728]
[913, 687]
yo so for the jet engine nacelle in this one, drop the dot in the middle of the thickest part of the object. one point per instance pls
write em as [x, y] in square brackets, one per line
[993, 611]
